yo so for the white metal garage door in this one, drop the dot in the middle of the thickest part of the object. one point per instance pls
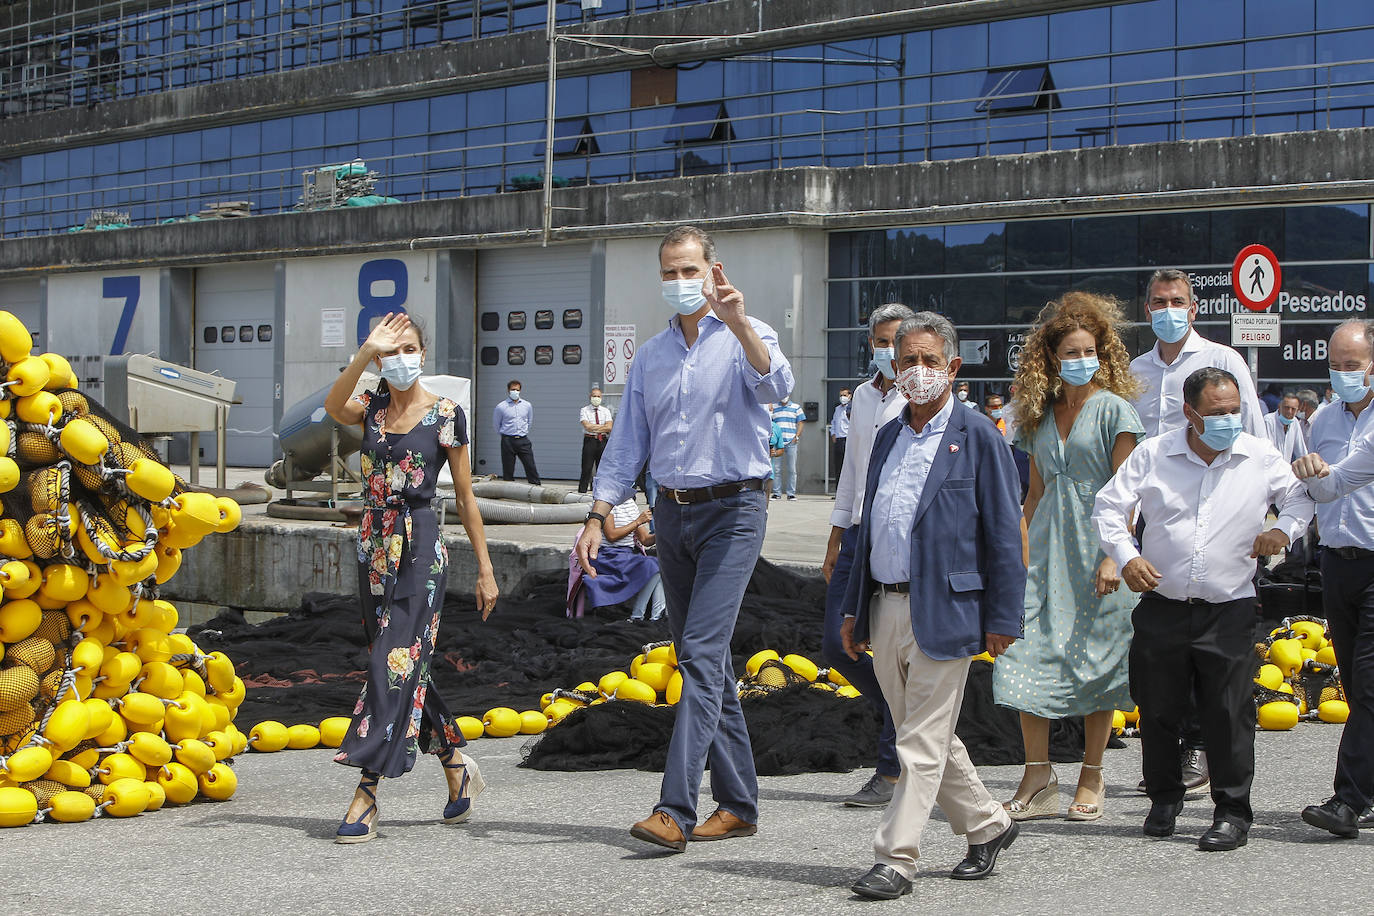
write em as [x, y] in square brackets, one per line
[234, 329]
[532, 325]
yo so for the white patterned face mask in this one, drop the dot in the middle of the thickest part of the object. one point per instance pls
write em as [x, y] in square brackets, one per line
[921, 384]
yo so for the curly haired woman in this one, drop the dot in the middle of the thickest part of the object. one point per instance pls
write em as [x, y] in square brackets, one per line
[1074, 418]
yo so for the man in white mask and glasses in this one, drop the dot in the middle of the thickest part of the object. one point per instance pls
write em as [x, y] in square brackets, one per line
[694, 409]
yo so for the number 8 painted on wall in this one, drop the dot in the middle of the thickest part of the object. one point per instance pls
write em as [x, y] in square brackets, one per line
[376, 307]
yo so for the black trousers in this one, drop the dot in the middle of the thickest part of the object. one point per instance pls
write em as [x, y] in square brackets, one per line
[837, 457]
[513, 447]
[1183, 651]
[592, 447]
[1348, 598]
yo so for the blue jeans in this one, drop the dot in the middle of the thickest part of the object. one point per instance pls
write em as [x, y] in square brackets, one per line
[859, 673]
[786, 461]
[650, 598]
[706, 555]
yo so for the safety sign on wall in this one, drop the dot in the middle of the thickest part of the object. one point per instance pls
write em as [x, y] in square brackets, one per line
[618, 352]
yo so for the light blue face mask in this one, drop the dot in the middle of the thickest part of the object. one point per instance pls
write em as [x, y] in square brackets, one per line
[884, 356]
[1169, 324]
[1078, 371]
[401, 370]
[1349, 386]
[1221, 432]
[684, 295]
[1286, 421]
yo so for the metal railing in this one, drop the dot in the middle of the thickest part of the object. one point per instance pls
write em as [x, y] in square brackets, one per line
[1265, 100]
[58, 63]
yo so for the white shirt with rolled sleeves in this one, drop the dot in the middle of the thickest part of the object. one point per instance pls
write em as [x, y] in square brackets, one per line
[1345, 521]
[1201, 520]
[1351, 473]
[593, 415]
[1160, 405]
[870, 410]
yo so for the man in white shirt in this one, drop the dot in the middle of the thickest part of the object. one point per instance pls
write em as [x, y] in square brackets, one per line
[1203, 493]
[1337, 475]
[1307, 411]
[596, 427]
[839, 432]
[876, 402]
[1283, 429]
[1180, 351]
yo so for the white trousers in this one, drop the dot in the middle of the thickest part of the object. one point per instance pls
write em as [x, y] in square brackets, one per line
[925, 696]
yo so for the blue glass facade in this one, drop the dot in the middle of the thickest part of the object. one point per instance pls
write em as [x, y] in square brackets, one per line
[1126, 73]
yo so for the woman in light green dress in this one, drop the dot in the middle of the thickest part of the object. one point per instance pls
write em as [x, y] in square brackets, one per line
[1075, 420]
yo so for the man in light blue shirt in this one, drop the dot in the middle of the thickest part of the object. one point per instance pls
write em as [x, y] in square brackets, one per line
[512, 419]
[1343, 438]
[694, 409]
[839, 432]
[790, 420]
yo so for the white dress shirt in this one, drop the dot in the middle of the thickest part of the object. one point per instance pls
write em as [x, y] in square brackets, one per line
[1201, 520]
[1353, 472]
[899, 494]
[869, 411]
[595, 416]
[1349, 520]
[1160, 405]
[839, 422]
[1287, 439]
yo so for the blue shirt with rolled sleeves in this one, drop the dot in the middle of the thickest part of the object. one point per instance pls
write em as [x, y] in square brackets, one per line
[513, 418]
[696, 414]
[1345, 509]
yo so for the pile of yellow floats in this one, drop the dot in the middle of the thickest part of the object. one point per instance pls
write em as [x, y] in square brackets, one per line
[1297, 654]
[103, 707]
[652, 679]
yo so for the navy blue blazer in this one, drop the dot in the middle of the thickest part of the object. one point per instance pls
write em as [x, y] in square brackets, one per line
[967, 578]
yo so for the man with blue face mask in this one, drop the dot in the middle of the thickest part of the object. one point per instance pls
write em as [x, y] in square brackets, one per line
[512, 419]
[1180, 351]
[1283, 429]
[694, 409]
[1203, 492]
[876, 402]
[1337, 475]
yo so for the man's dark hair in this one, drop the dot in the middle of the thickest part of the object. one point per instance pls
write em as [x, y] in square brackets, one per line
[689, 234]
[514, 383]
[1207, 377]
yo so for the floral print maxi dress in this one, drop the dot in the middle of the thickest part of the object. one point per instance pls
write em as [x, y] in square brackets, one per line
[402, 566]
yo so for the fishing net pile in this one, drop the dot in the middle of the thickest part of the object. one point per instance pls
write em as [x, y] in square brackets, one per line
[103, 708]
[598, 691]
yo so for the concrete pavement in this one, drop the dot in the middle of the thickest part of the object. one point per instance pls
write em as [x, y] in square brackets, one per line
[558, 843]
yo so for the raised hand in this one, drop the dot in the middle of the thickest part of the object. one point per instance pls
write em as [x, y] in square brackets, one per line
[387, 336]
[726, 301]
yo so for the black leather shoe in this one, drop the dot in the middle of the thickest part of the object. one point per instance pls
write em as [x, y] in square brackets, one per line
[1335, 816]
[883, 882]
[1223, 837]
[1367, 819]
[1160, 821]
[982, 858]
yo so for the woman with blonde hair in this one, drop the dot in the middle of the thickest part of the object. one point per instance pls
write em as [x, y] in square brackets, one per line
[1075, 420]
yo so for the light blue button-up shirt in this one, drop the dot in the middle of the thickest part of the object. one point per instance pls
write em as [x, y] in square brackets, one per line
[696, 415]
[513, 418]
[1349, 520]
[900, 486]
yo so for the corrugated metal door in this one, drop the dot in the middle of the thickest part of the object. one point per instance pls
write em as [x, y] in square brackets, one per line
[234, 329]
[532, 325]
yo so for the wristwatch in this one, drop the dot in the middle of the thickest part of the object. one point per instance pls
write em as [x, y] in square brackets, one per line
[594, 515]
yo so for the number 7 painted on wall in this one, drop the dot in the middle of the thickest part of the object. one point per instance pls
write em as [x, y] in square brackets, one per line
[126, 288]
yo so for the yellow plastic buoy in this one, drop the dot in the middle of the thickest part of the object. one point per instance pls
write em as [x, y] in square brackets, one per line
[28, 376]
[839, 680]
[673, 692]
[178, 782]
[15, 339]
[83, 441]
[28, 764]
[149, 749]
[1286, 687]
[501, 722]
[151, 480]
[1118, 721]
[69, 773]
[656, 675]
[1335, 711]
[126, 798]
[662, 655]
[636, 691]
[1132, 716]
[1326, 655]
[19, 619]
[333, 730]
[196, 756]
[848, 691]
[219, 783]
[60, 374]
[68, 724]
[1269, 676]
[230, 514]
[558, 710]
[114, 767]
[471, 727]
[141, 708]
[610, 681]
[532, 722]
[267, 736]
[1277, 716]
[758, 658]
[17, 807]
[1287, 655]
[802, 666]
[71, 807]
[156, 796]
[301, 737]
[1309, 632]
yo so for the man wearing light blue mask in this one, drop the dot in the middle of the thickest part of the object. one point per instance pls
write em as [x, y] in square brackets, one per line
[1337, 475]
[1204, 492]
[1283, 429]
[513, 418]
[693, 408]
[1179, 351]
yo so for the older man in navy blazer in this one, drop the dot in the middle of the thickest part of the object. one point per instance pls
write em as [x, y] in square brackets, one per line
[937, 579]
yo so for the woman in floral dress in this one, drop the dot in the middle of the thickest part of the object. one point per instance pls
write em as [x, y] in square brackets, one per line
[408, 433]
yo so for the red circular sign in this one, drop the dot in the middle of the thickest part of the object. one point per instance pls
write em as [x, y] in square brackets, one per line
[1256, 277]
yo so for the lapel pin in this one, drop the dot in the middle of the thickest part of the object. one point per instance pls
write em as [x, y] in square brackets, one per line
[953, 448]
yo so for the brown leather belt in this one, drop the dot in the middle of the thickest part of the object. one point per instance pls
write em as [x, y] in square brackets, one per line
[894, 588]
[704, 494]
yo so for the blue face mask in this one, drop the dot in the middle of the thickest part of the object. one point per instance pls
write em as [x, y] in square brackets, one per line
[884, 356]
[1220, 433]
[684, 295]
[995, 413]
[1169, 324]
[1349, 386]
[401, 370]
[1078, 371]
[1285, 420]
[513, 394]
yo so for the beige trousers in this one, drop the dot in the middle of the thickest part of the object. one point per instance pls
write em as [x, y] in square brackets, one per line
[925, 696]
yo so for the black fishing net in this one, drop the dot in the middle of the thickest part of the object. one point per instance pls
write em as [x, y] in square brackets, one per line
[311, 663]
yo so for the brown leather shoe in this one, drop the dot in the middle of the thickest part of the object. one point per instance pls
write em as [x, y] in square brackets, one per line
[723, 826]
[661, 830]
